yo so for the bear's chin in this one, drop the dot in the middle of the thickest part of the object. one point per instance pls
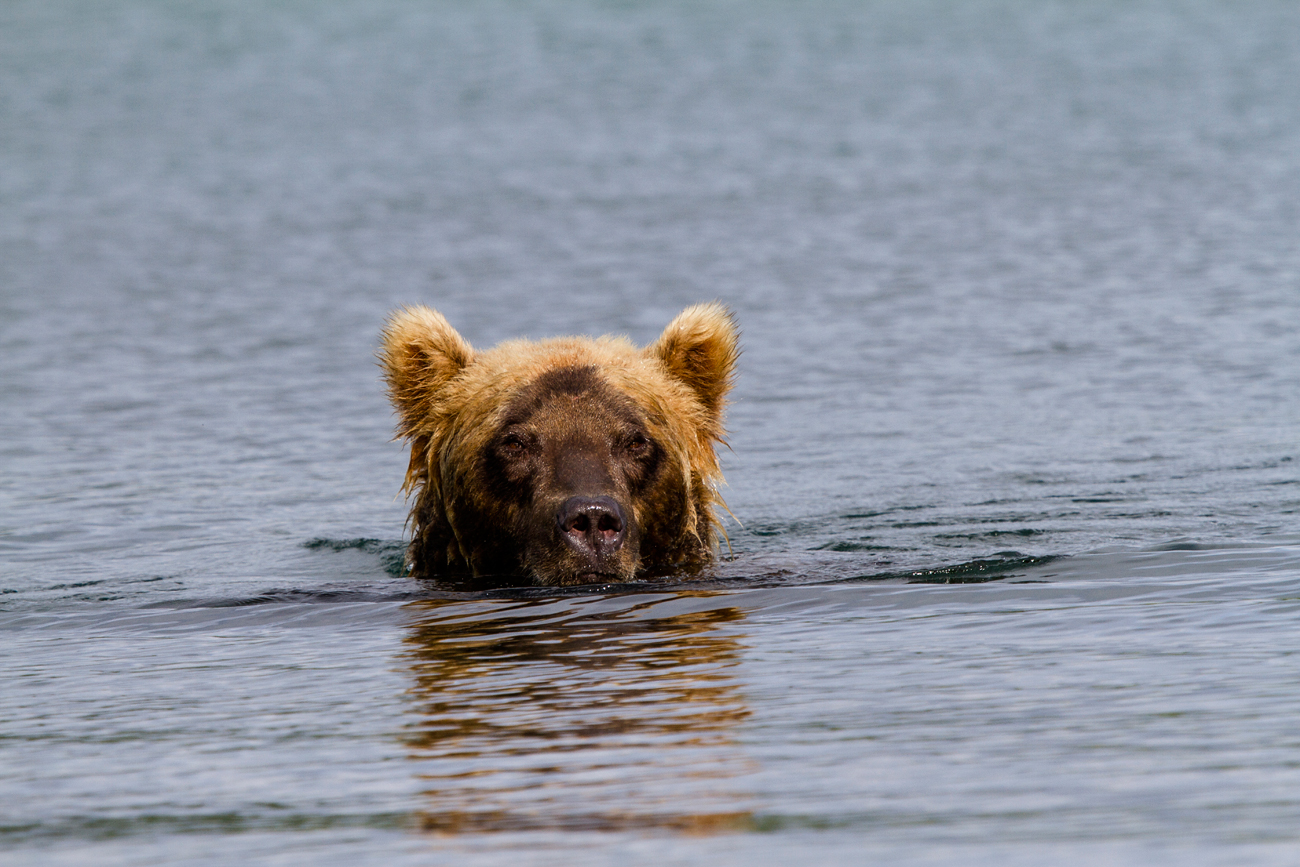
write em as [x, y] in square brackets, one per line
[590, 578]
[550, 563]
[580, 578]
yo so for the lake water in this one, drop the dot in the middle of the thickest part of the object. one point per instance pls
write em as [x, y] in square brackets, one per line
[1015, 445]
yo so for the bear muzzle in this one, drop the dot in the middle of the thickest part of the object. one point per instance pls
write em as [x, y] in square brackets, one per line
[581, 538]
[593, 526]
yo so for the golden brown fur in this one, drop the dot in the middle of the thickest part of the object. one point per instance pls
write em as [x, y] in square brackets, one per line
[502, 439]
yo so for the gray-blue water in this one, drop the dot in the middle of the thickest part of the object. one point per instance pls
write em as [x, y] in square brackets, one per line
[1015, 446]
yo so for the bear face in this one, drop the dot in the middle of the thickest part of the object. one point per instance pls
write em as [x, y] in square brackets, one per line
[567, 461]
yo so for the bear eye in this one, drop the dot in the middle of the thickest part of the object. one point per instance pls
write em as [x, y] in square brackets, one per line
[512, 443]
[638, 443]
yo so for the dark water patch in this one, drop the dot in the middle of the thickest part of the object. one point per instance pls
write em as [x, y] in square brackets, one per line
[1253, 823]
[1024, 532]
[860, 515]
[770, 529]
[852, 546]
[284, 820]
[78, 585]
[118, 589]
[392, 555]
[298, 596]
[1264, 465]
[1184, 545]
[974, 572]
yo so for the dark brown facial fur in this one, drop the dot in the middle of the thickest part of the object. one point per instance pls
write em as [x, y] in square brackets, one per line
[572, 462]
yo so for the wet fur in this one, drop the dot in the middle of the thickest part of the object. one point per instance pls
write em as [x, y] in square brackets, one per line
[481, 506]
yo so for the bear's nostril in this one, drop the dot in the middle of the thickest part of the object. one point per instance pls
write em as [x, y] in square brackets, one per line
[593, 525]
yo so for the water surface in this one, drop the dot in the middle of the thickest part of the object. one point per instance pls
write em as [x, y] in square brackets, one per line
[1013, 455]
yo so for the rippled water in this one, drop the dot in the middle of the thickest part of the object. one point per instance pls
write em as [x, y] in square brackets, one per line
[1016, 578]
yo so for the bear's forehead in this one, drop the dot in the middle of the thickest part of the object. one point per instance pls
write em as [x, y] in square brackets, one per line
[572, 388]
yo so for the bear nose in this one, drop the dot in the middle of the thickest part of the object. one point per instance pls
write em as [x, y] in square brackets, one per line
[593, 525]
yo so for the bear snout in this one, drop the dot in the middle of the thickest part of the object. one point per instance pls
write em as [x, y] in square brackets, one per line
[594, 527]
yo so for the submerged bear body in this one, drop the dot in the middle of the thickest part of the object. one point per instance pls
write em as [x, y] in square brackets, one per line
[567, 461]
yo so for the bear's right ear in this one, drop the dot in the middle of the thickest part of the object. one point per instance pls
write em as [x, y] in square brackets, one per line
[700, 348]
[420, 354]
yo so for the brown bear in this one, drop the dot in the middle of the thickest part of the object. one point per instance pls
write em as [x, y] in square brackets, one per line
[566, 461]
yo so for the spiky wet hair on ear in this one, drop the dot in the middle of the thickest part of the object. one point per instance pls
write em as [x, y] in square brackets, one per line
[421, 354]
[700, 348]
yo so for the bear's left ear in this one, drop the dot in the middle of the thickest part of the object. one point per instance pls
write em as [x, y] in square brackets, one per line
[421, 354]
[700, 348]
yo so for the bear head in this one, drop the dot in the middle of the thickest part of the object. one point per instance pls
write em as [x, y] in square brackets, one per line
[566, 461]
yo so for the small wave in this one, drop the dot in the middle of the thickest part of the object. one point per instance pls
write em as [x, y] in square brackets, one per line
[392, 555]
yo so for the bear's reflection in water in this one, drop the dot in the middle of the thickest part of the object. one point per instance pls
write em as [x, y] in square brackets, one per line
[595, 713]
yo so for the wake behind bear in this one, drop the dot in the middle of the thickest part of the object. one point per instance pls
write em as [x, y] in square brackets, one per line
[573, 460]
